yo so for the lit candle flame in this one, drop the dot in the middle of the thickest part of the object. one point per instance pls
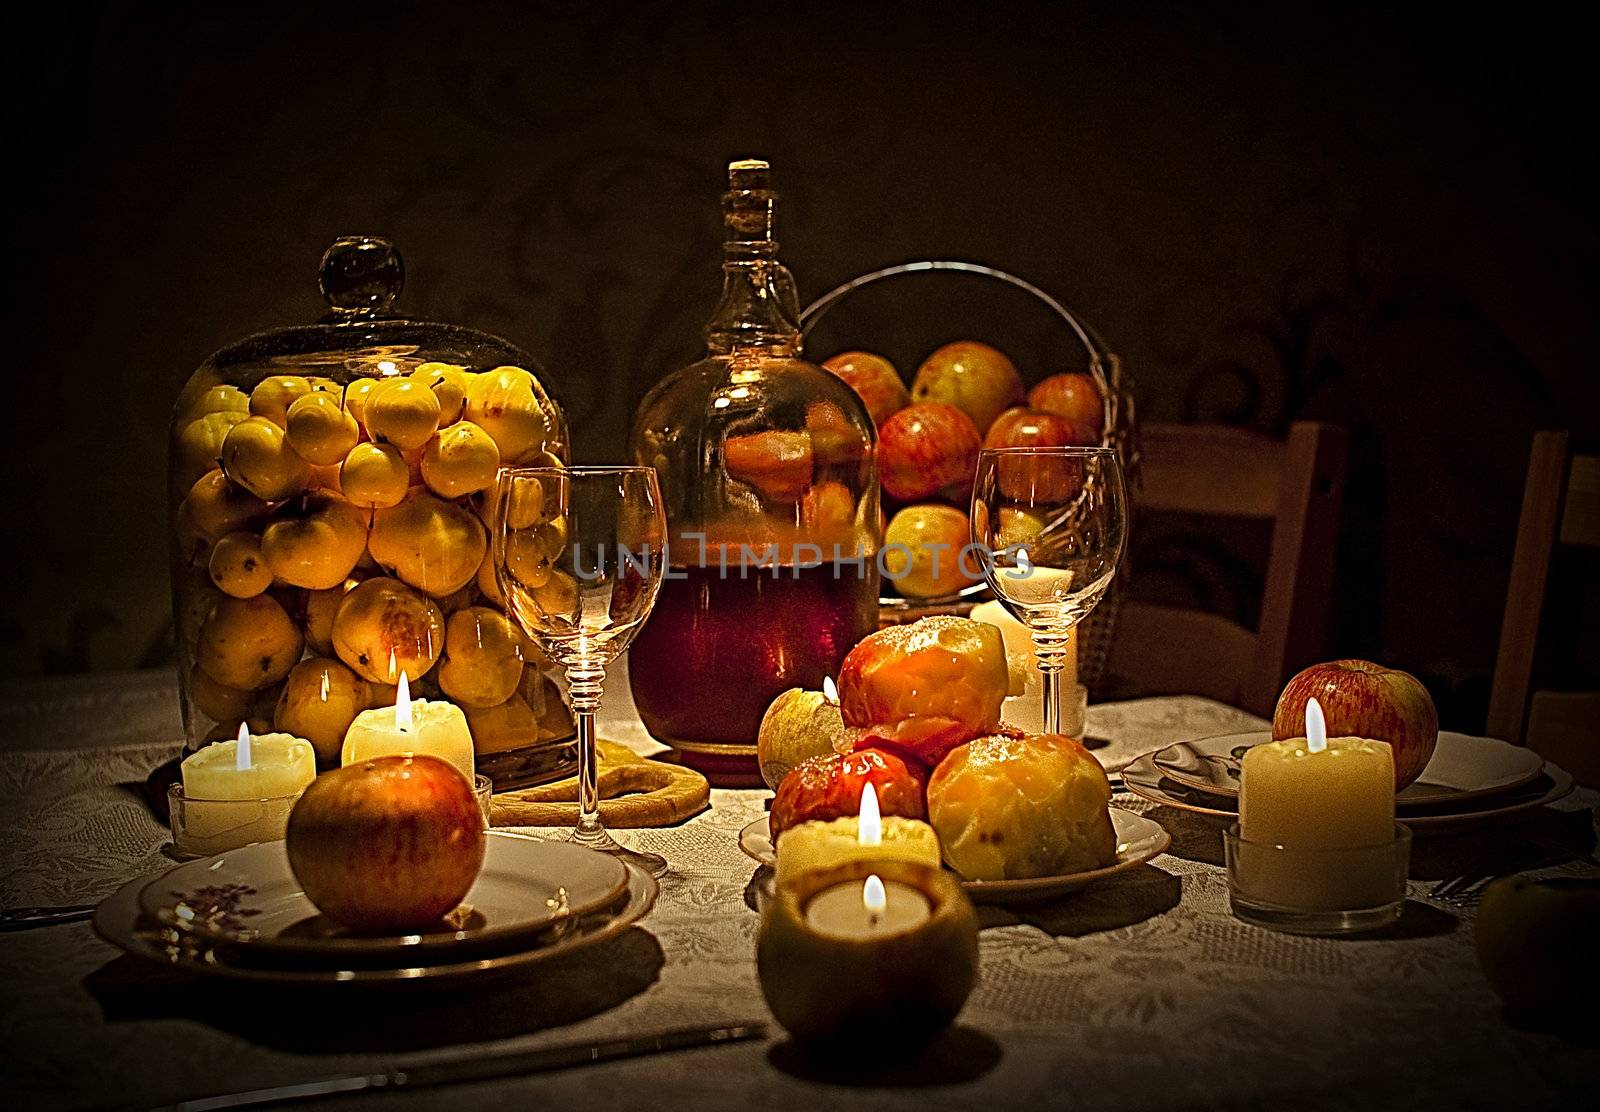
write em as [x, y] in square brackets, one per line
[830, 690]
[388, 367]
[402, 705]
[324, 685]
[391, 664]
[874, 898]
[869, 829]
[1316, 727]
[241, 755]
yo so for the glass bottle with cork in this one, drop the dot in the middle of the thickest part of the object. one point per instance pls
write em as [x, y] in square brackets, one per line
[768, 466]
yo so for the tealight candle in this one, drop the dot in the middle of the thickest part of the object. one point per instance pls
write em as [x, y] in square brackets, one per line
[869, 956]
[410, 727]
[236, 793]
[1316, 847]
[868, 836]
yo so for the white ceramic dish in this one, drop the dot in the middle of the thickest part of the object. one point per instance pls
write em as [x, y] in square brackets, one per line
[1462, 767]
[1138, 840]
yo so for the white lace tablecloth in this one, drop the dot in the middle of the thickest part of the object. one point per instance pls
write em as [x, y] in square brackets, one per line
[1140, 993]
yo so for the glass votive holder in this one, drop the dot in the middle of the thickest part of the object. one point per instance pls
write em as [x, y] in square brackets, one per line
[483, 788]
[202, 827]
[1300, 890]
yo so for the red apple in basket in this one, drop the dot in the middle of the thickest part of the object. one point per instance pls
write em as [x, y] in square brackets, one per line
[1037, 481]
[390, 844]
[924, 448]
[1363, 699]
[1073, 396]
[975, 378]
[875, 379]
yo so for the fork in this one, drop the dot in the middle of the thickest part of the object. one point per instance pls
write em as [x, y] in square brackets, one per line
[1468, 888]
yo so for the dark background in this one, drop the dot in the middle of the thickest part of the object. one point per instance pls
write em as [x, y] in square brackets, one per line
[1383, 219]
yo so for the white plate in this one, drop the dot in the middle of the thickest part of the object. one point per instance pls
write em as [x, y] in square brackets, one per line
[248, 899]
[1138, 840]
[1145, 780]
[1462, 767]
[119, 922]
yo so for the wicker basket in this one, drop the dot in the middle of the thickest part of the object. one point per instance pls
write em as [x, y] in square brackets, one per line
[1121, 433]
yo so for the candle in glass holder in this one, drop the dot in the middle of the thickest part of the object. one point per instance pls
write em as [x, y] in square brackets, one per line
[236, 793]
[411, 727]
[1316, 825]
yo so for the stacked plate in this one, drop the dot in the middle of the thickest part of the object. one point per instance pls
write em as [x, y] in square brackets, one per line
[1469, 780]
[241, 915]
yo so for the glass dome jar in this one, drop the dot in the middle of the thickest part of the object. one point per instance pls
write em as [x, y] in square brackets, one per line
[768, 468]
[328, 485]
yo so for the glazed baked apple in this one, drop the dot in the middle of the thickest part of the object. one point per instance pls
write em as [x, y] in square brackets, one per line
[1013, 807]
[924, 688]
[829, 787]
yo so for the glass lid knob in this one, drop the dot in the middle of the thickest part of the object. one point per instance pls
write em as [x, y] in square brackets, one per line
[361, 274]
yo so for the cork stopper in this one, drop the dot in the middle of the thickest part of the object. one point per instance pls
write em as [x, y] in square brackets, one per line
[747, 206]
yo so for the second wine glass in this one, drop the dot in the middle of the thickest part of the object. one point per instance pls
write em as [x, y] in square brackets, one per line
[578, 555]
[1051, 524]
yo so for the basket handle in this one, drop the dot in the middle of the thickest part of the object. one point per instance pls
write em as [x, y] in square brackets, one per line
[1104, 364]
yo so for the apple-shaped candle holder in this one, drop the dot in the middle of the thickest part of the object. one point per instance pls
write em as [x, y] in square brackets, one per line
[852, 983]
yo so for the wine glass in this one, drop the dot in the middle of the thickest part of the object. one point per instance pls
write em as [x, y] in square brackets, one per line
[579, 554]
[1050, 524]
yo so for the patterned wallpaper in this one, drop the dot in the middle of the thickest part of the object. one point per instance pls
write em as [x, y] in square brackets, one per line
[1268, 215]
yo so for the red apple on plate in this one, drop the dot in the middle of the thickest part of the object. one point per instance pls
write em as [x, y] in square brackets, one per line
[975, 378]
[391, 844]
[1073, 396]
[874, 378]
[1363, 699]
[924, 448]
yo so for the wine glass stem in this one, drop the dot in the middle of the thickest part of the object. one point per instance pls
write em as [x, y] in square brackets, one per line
[1050, 650]
[585, 680]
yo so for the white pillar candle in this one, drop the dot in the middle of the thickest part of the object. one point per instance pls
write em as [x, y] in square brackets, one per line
[867, 836]
[1024, 708]
[263, 766]
[435, 729]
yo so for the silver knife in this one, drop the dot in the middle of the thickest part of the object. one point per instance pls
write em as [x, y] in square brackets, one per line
[481, 1067]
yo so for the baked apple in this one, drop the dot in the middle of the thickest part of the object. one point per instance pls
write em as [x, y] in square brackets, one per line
[925, 448]
[924, 688]
[1015, 807]
[390, 844]
[829, 787]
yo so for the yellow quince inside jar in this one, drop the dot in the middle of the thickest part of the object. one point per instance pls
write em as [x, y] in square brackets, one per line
[383, 628]
[320, 608]
[434, 545]
[461, 460]
[488, 582]
[449, 384]
[374, 476]
[237, 566]
[217, 399]
[319, 701]
[315, 542]
[320, 429]
[216, 701]
[482, 662]
[200, 443]
[510, 405]
[257, 456]
[402, 412]
[273, 396]
[355, 397]
[217, 507]
[248, 643]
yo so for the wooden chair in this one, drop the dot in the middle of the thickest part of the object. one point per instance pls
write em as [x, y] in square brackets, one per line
[1218, 471]
[1560, 506]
